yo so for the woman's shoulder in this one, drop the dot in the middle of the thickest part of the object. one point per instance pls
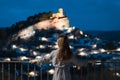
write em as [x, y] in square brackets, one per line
[54, 52]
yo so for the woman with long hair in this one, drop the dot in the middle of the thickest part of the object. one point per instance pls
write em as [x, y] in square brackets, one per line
[61, 59]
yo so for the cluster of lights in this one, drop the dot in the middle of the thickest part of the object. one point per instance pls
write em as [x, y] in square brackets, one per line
[20, 48]
[81, 53]
[74, 66]
[99, 51]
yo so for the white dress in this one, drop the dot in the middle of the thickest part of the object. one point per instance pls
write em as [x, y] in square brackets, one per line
[62, 69]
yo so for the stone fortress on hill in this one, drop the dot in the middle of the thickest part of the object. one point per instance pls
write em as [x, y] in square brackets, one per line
[57, 20]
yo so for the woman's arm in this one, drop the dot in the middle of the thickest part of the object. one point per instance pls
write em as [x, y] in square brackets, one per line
[33, 61]
[42, 59]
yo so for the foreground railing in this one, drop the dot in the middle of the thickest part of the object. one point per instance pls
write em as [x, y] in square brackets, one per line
[19, 70]
[23, 70]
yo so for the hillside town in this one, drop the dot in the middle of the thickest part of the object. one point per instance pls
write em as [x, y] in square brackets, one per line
[39, 39]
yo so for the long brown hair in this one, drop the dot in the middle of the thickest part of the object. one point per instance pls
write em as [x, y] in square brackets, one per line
[64, 49]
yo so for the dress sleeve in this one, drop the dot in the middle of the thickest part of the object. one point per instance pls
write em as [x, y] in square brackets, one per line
[79, 62]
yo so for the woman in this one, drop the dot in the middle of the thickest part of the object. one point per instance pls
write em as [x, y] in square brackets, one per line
[61, 59]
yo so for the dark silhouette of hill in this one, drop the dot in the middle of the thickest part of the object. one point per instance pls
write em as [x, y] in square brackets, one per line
[14, 28]
[18, 26]
[106, 35]
[6, 34]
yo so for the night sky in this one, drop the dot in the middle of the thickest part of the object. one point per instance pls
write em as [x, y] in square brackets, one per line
[85, 14]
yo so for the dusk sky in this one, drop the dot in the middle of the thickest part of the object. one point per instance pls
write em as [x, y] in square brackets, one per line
[85, 14]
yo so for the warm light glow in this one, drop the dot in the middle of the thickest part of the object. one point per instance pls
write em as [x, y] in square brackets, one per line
[108, 52]
[95, 52]
[74, 66]
[27, 32]
[71, 47]
[69, 29]
[41, 46]
[23, 58]
[94, 46]
[118, 49]
[81, 32]
[32, 74]
[38, 57]
[71, 37]
[51, 71]
[86, 35]
[58, 14]
[47, 55]
[73, 27]
[83, 54]
[44, 39]
[98, 62]
[22, 49]
[35, 53]
[102, 50]
[50, 64]
[14, 46]
[56, 46]
[81, 49]
[7, 59]
[118, 74]
[61, 23]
